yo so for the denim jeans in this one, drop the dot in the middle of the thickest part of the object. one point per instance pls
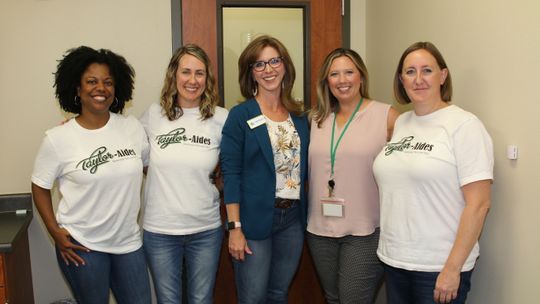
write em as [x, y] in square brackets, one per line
[165, 254]
[416, 287]
[125, 274]
[265, 275]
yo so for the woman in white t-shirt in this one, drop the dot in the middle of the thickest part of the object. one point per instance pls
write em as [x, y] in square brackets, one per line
[434, 181]
[96, 159]
[181, 220]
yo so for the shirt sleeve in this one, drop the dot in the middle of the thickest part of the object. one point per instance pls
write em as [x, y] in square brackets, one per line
[145, 150]
[145, 117]
[231, 156]
[47, 166]
[473, 151]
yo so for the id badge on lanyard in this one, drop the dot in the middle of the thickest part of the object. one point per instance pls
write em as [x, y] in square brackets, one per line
[332, 206]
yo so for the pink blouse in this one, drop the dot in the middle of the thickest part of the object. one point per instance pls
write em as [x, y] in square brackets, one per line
[353, 172]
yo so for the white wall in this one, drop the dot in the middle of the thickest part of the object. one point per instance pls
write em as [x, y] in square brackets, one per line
[492, 48]
[34, 34]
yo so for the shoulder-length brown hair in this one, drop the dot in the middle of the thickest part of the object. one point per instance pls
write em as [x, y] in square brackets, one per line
[248, 85]
[446, 88]
[169, 92]
[326, 101]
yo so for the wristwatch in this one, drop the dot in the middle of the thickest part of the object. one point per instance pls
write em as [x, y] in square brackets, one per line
[233, 225]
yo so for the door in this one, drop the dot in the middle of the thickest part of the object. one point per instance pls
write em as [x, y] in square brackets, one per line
[200, 26]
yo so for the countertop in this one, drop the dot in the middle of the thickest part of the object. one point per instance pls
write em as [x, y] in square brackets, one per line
[12, 224]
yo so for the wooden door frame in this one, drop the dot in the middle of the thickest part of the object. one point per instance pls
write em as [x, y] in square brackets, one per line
[176, 33]
[176, 24]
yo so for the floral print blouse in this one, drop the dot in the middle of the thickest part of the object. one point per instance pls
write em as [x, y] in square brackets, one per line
[286, 149]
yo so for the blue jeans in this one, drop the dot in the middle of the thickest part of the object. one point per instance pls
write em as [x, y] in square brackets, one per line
[165, 254]
[416, 287]
[265, 275]
[125, 274]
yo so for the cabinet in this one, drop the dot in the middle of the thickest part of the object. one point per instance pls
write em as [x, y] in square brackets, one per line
[2, 281]
[15, 271]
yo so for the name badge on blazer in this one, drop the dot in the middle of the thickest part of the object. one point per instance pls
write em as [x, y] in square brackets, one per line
[256, 121]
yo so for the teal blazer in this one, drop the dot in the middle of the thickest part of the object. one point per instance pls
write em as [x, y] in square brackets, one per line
[249, 173]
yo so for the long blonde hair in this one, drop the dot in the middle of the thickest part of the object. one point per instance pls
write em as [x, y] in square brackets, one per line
[169, 92]
[326, 101]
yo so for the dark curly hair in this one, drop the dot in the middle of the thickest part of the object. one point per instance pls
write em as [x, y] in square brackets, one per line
[75, 62]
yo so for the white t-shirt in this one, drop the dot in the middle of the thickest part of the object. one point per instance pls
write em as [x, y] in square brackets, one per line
[99, 174]
[420, 174]
[180, 197]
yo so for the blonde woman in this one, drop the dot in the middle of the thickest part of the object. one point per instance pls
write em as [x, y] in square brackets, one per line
[182, 219]
[348, 130]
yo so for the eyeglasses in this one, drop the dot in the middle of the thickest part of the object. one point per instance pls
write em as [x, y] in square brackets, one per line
[260, 66]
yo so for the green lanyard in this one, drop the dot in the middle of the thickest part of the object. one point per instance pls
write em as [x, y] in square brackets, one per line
[333, 148]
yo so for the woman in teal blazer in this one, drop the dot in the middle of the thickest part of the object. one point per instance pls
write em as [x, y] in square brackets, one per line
[264, 164]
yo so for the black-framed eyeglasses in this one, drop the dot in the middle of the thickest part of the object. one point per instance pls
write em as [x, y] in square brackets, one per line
[259, 66]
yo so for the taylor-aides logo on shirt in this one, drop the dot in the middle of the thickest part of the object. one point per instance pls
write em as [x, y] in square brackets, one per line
[406, 144]
[101, 156]
[177, 136]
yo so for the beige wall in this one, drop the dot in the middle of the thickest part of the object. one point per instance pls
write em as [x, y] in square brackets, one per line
[33, 35]
[493, 50]
[358, 27]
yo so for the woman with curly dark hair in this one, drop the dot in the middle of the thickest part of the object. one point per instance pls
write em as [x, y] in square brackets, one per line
[97, 160]
[181, 220]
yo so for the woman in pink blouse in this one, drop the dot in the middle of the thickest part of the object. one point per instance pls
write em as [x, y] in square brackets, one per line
[348, 131]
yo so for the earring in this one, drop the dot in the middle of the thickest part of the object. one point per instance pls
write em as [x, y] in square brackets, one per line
[76, 101]
[254, 91]
[115, 103]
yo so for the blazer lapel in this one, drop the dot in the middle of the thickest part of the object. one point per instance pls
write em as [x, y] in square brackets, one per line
[300, 126]
[261, 133]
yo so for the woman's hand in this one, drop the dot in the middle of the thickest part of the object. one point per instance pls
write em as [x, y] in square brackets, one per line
[217, 179]
[446, 286]
[238, 244]
[62, 238]
[237, 241]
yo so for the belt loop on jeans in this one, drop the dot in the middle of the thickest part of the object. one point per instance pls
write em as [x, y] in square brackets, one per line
[284, 203]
